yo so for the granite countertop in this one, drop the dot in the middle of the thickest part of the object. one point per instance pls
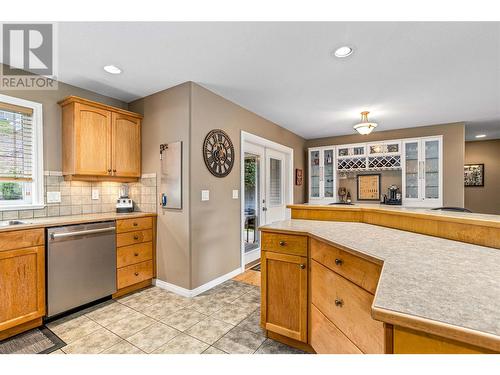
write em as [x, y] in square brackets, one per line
[74, 219]
[423, 277]
[486, 218]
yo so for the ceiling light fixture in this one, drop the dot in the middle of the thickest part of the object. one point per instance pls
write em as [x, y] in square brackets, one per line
[343, 51]
[480, 135]
[365, 127]
[112, 69]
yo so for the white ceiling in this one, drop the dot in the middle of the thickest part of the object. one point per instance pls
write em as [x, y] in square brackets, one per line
[405, 74]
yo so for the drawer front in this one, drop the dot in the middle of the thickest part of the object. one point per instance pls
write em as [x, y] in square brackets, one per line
[129, 225]
[21, 238]
[358, 270]
[131, 238]
[328, 339]
[284, 243]
[348, 307]
[134, 274]
[132, 254]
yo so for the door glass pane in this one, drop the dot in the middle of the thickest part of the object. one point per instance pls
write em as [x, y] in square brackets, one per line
[252, 201]
[314, 173]
[328, 173]
[432, 169]
[411, 175]
[275, 198]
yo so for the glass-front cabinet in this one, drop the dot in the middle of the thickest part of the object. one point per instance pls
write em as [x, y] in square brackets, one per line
[322, 171]
[422, 172]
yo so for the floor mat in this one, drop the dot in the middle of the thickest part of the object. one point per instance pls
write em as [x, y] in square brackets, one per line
[40, 340]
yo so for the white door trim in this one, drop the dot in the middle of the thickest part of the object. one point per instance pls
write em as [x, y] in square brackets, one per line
[252, 138]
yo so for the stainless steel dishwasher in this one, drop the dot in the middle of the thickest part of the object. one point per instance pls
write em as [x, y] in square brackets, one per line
[81, 265]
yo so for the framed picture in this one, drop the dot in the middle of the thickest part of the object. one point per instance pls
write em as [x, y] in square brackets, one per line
[298, 177]
[368, 187]
[474, 175]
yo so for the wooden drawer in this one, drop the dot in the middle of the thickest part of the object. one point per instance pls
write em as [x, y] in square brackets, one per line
[130, 238]
[284, 243]
[328, 339]
[348, 307]
[358, 270]
[132, 254]
[128, 225]
[18, 239]
[134, 274]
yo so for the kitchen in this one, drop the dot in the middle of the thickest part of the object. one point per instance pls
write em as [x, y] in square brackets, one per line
[127, 225]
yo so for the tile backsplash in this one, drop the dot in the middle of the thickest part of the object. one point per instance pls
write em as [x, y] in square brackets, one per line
[76, 197]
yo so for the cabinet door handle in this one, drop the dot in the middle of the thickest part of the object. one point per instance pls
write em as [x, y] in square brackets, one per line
[136, 237]
[136, 273]
[109, 170]
[282, 243]
[136, 254]
[339, 302]
[114, 170]
[339, 262]
[302, 266]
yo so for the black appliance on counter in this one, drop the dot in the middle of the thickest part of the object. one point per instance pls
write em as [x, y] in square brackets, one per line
[393, 196]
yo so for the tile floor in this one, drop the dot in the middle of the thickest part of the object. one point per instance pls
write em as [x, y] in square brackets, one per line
[222, 320]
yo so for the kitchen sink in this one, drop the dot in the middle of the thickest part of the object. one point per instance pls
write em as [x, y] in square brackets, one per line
[12, 222]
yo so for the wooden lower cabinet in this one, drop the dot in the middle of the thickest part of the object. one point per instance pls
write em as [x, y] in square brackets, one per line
[22, 288]
[284, 294]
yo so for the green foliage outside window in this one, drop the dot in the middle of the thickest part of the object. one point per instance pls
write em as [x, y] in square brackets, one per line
[250, 173]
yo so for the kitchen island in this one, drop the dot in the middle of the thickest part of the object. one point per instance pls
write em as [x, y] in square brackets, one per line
[345, 286]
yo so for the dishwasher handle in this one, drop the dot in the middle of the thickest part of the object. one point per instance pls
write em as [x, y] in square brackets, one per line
[53, 236]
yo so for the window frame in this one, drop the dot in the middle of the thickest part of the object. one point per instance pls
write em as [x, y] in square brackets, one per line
[37, 187]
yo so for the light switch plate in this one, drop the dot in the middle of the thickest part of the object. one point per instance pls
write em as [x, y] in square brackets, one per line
[235, 194]
[95, 194]
[53, 197]
[205, 195]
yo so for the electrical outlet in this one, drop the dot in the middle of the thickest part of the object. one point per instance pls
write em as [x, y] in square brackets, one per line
[95, 194]
[235, 194]
[53, 197]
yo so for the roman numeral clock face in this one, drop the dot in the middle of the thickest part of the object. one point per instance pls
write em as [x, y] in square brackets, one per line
[218, 153]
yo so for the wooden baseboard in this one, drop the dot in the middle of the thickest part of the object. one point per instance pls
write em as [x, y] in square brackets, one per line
[290, 342]
[21, 328]
[133, 288]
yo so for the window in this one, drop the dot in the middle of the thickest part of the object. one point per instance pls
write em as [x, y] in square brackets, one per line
[275, 183]
[21, 153]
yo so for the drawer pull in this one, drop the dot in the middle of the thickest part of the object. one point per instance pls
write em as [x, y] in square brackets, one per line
[136, 273]
[282, 243]
[302, 266]
[136, 237]
[339, 302]
[339, 262]
[135, 224]
[136, 254]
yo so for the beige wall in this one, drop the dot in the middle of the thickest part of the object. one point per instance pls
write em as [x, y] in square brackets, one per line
[215, 243]
[453, 152]
[52, 133]
[484, 199]
[166, 119]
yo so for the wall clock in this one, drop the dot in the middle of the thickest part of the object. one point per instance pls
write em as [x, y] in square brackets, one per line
[218, 153]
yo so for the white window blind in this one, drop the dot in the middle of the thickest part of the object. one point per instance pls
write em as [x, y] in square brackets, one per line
[275, 182]
[16, 143]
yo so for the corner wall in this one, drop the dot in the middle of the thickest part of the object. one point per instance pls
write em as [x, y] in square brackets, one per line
[485, 199]
[453, 152]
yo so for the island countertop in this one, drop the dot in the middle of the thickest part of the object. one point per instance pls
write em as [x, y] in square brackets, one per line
[451, 287]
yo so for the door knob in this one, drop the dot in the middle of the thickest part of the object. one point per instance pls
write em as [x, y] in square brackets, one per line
[136, 254]
[136, 237]
[136, 273]
[282, 243]
[339, 262]
[339, 302]
[302, 266]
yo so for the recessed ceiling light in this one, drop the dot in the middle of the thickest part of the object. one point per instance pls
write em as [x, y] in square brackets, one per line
[343, 51]
[113, 69]
[480, 135]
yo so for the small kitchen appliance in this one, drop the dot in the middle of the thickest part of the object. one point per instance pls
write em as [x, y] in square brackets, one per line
[393, 196]
[124, 203]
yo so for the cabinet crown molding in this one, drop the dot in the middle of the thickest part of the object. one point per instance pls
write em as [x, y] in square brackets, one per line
[76, 99]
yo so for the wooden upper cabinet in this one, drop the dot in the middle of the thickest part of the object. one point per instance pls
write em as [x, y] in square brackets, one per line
[99, 141]
[91, 143]
[126, 145]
